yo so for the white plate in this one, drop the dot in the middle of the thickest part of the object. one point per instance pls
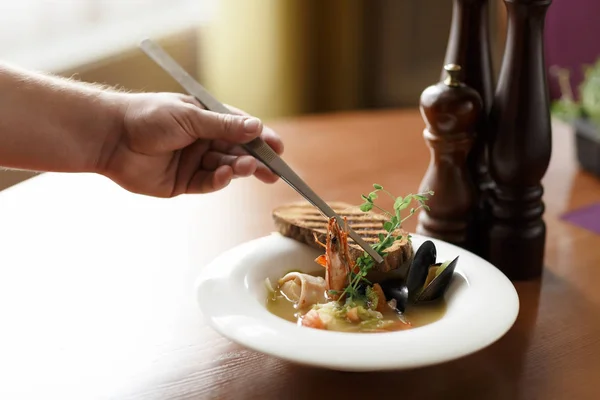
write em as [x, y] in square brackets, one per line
[482, 305]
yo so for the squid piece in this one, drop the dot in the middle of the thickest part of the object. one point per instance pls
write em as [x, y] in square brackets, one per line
[303, 289]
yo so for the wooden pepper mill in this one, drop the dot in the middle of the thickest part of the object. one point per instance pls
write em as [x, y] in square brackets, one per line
[469, 47]
[450, 110]
[520, 145]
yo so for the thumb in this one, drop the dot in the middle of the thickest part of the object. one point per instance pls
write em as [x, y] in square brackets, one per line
[229, 127]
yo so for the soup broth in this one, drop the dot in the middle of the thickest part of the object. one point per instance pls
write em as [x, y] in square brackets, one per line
[416, 315]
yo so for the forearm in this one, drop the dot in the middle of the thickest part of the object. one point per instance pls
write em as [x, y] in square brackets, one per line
[53, 124]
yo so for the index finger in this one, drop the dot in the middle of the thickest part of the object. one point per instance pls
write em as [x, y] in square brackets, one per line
[268, 134]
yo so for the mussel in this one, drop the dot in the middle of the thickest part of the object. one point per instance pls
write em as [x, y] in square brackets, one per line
[418, 271]
[427, 280]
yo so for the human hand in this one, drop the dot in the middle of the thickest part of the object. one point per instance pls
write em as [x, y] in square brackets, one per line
[170, 145]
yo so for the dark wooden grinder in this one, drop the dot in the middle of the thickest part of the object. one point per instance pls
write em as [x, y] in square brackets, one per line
[520, 145]
[469, 47]
[512, 147]
[451, 111]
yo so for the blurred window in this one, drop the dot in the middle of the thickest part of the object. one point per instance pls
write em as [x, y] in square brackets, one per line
[54, 35]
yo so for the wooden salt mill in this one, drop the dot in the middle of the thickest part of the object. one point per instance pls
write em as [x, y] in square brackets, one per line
[469, 47]
[520, 145]
[450, 110]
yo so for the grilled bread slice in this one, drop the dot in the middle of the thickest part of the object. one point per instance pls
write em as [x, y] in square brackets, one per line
[300, 220]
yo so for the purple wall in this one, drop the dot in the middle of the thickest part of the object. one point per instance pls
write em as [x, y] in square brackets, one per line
[572, 37]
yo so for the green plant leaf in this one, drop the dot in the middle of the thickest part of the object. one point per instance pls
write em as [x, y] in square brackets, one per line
[397, 203]
[378, 187]
[366, 207]
[388, 241]
[403, 204]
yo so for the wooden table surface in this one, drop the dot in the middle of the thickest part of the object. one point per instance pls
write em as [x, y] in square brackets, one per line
[97, 301]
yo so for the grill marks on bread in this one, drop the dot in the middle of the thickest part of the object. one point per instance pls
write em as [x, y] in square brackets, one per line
[299, 220]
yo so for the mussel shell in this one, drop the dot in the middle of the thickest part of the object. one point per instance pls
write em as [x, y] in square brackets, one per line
[389, 287]
[395, 289]
[362, 289]
[417, 274]
[438, 286]
[400, 294]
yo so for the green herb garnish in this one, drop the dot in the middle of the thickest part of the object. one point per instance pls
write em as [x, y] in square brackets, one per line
[372, 298]
[394, 222]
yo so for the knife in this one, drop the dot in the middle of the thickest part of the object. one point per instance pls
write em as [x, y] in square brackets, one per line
[257, 147]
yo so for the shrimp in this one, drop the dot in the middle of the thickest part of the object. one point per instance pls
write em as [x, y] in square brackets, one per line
[336, 260]
[312, 319]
